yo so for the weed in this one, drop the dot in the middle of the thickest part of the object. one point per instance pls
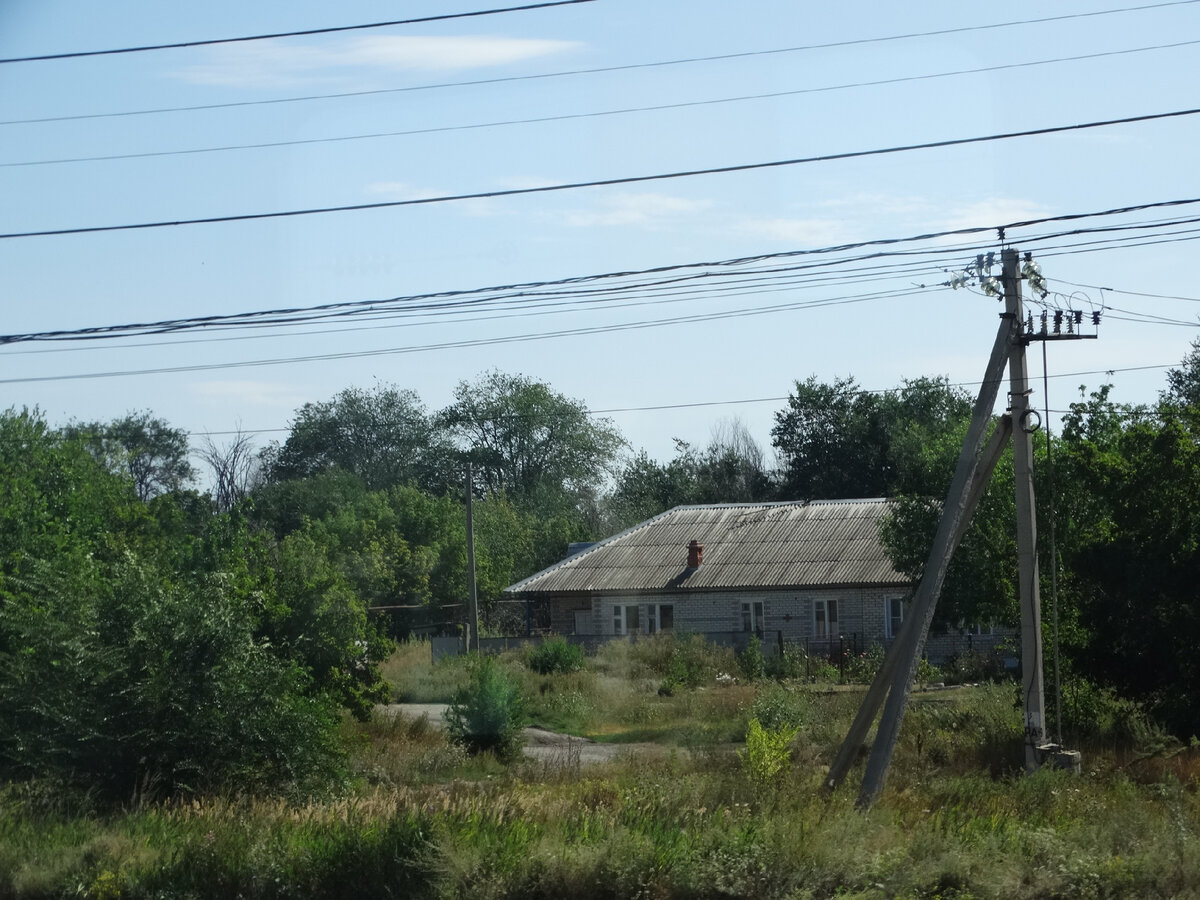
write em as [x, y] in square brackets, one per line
[750, 660]
[489, 712]
[556, 655]
[768, 751]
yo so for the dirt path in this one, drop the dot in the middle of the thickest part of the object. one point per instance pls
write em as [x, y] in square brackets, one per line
[540, 743]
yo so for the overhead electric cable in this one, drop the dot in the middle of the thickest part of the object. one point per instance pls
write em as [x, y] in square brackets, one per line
[1097, 287]
[455, 345]
[282, 34]
[565, 117]
[598, 70]
[531, 288]
[609, 182]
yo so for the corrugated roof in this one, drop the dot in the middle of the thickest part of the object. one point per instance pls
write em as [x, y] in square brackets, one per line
[819, 543]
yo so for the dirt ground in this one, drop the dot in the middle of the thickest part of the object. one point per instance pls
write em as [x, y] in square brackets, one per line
[540, 743]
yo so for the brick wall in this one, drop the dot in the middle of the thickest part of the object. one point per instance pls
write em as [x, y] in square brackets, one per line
[860, 611]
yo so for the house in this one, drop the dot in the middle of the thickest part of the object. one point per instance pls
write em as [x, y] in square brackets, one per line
[812, 573]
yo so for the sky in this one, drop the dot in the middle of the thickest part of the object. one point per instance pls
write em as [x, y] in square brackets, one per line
[665, 362]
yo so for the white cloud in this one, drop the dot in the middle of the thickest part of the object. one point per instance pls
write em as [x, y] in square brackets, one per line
[272, 394]
[524, 182]
[644, 210]
[401, 190]
[990, 212]
[286, 65]
[809, 232]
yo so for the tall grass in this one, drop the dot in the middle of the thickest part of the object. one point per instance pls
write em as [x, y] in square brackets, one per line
[426, 820]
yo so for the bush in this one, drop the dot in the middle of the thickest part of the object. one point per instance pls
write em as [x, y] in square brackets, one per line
[751, 661]
[776, 707]
[556, 655]
[863, 668]
[116, 682]
[686, 661]
[791, 663]
[489, 712]
[768, 751]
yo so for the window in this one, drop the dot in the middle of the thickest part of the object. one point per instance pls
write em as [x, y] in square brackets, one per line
[978, 630]
[660, 617]
[625, 619]
[825, 618]
[752, 616]
[893, 616]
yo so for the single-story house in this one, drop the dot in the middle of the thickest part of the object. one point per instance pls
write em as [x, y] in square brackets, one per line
[812, 573]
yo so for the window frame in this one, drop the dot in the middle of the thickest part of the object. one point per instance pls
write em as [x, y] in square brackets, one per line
[620, 619]
[654, 615]
[891, 621]
[821, 617]
[754, 612]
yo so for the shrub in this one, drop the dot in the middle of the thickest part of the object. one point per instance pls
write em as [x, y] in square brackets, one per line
[777, 707]
[751, 661]
[864, 667]
[556, 655]
[791, 663]
[119, 683]
[690, 662]
[489, 712]
[768, 751]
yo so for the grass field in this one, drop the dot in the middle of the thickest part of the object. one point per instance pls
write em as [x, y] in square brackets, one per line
[421, 818]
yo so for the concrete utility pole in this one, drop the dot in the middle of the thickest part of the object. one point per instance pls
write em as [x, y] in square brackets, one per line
[976, 463]
[899, 669]
[1032, 687]
[473, 598]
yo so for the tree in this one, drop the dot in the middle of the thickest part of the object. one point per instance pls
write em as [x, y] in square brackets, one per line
[236, 469]
[1131, 551]
[644, 487]
[838, 441]
[733, 467]
[131, 653]
[383, 436]
[1183, 383]
[154, 454]
[528, 441]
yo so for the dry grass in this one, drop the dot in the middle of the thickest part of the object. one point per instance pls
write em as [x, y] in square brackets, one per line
[425, 820]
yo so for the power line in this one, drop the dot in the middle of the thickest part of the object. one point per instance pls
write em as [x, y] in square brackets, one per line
[282, 34]
[533, 290]
[1097, 287]
[592, 71]
[463, 344]
[609, 182]
[662, 407]
[565, 117]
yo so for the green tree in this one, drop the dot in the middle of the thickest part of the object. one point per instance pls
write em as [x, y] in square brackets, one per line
[831, 442]
[154, 454]
[1183, 382]
[131, 646]
[1132, 551]
[530, 442]
[383, 436]
[838, 441]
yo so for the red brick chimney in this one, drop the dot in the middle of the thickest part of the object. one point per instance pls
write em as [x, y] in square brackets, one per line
[695, 554]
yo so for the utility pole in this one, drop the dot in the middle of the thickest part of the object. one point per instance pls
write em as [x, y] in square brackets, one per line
[473, 595]
[1033, 692]
[895, 677]
[976, 463]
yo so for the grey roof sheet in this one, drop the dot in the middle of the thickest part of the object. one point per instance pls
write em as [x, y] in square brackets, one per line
[746, 545]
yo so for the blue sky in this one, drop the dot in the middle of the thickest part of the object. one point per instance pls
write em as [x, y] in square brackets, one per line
[98, 279]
